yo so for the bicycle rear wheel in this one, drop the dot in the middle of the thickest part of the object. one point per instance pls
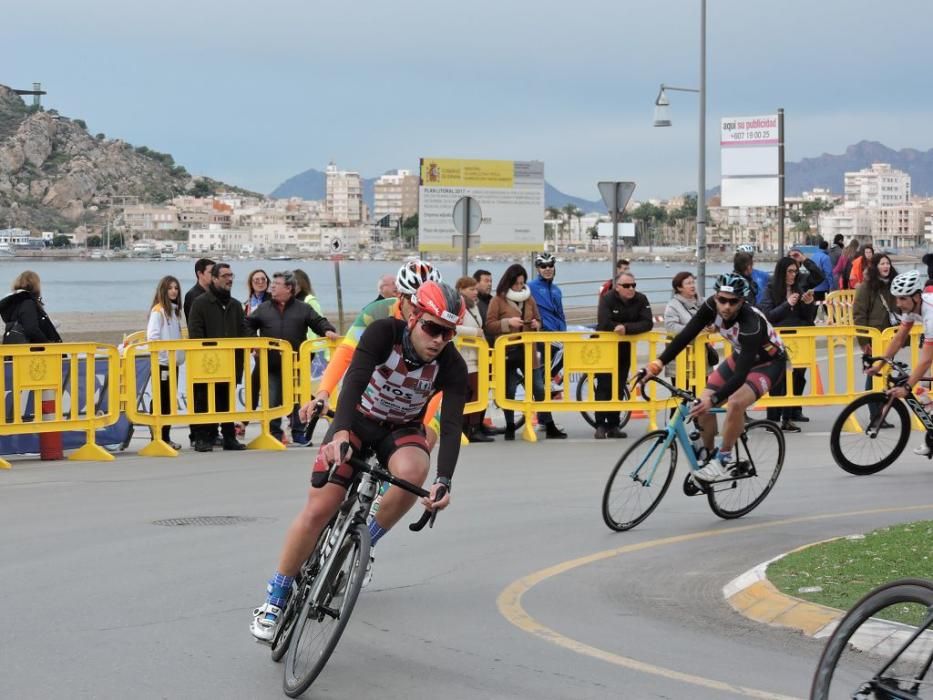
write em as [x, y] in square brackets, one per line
[759, 454]
[322, 620]
[639, 481]
[582, 394]
[883, 646]
[869, 450]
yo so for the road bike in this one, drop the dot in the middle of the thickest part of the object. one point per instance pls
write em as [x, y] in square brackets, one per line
[329, 582]
[643, 474]
[881, 648]
[872, 431]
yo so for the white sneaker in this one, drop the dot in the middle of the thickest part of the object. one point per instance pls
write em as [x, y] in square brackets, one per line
[713, 471]
[368, 575]
[265, 622]
[923, 450]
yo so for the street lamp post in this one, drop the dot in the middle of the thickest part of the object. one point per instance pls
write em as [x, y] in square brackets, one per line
[662, 118]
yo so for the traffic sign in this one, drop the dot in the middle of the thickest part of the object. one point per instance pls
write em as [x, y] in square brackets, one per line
[467, 207]
[336, 244]
[608, 191]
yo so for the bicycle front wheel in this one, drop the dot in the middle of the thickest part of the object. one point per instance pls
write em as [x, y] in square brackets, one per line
[858, 446]
[883, 646]
[639, 481]
[582, 394]
[323, 618]
[759, 455]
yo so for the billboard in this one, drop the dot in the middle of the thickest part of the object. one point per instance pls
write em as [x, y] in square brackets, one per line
[510, 195]
[749, 150]
[626, 229]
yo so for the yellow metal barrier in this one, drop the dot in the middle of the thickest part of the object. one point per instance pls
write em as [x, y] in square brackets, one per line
[586, 354]
[481, 347]
[212, 363]
[57, 369]
[839, 307]
[913, 347]
[306, 385]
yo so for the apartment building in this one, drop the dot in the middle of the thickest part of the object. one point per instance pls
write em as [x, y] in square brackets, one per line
[343, 204]
[877, 186]
[149, 218]
[396, 195]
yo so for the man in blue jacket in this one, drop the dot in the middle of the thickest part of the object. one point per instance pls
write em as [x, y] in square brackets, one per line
[549, 299]
[825, 263]
[744, 264]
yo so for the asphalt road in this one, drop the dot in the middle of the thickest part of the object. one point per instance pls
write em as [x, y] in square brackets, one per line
[103, 603]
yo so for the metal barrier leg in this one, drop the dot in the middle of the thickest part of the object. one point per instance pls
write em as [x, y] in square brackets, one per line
[91, 451]
[528, 431]
[4, 464]
[158, 447]
[264, 441]
[851, 425]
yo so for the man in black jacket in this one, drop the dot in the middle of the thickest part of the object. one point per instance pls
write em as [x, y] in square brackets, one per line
[625, 312]
[216, 314]
[202, 273]
[285, 317]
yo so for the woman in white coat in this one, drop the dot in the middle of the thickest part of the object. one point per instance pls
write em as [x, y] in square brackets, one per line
[165, 324]
[473, 327]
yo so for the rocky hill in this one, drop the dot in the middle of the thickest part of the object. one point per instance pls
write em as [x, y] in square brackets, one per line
[55, 175]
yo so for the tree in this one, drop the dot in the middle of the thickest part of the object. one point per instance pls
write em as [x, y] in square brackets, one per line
[61, 241]
[94, 241]
[202, 189]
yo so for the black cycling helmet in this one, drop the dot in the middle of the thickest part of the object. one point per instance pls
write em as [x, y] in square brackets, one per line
[733, 283]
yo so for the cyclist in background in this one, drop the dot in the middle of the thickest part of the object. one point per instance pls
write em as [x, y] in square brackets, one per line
[397, 368]
[744, 264]
[550, 301]
[914, 299]
[758, 362]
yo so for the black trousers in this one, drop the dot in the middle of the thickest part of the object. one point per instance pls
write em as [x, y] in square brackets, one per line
[799, 379]
[604, 389]
[165, 398]
[206, 432]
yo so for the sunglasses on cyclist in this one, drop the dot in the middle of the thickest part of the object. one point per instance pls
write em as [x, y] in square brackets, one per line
[728, 301]
[436, 330]
[626, 285]
[546, 265]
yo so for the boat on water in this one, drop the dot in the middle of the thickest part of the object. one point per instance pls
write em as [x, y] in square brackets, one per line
[281, 257]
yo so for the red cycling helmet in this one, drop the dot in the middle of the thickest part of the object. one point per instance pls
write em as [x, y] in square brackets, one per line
[440, 300]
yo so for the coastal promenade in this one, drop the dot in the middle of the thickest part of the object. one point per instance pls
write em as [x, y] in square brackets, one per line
[520, 591]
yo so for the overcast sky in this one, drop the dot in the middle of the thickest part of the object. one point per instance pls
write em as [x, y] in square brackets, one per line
[253, 93]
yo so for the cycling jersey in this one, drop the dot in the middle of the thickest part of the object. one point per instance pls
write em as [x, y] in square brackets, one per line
[337, 367]
[754, 342]
[382, 386]
[925, 316]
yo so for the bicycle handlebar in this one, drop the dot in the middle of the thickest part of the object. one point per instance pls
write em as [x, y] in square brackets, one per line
[898, 376]
[641, 377]
[315, 417]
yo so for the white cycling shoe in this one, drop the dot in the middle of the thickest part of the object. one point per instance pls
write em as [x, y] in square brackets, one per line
[923, 450]
[265, 622]
[714, 470]
[368, 575]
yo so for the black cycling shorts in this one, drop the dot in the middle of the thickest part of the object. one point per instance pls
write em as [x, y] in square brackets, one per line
[761, 378]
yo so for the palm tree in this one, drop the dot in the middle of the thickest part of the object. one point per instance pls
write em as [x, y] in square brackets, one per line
[568, 210]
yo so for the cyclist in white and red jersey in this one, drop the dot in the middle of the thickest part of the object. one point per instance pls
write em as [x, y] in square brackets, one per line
[757, 363]
[914, 298]
[396, 369]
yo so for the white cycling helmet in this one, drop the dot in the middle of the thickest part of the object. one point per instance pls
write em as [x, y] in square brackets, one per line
[907, 284]
[746, 248]
[542, 259]
[413, 273]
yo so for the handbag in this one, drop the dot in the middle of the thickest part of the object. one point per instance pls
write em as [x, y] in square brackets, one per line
[14, 334]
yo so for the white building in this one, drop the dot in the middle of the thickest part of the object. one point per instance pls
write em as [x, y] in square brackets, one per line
[877, 186]
[216, 239]
[10, 237]
[344, 200]
[850, 222]
[396, 195]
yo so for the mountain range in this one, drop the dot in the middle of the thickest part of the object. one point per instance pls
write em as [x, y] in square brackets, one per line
[827, 170]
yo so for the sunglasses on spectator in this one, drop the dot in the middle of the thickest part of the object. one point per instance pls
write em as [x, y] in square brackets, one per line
[626, 285]
[436, 330]
[728, 301]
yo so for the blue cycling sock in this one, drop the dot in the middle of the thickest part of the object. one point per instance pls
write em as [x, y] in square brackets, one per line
[376, 531]
[724, 456]
[278, 589]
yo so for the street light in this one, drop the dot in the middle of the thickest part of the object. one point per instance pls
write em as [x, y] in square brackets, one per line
[662, 118]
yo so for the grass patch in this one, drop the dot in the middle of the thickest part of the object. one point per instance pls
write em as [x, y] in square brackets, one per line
[846, 569]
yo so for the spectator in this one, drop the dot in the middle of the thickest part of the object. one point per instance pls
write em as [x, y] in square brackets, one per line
[787, 304]
[835, 252]
[625, 312]
[165, 324]
[472, 327]
[550, 301]
[809, 274]
[305, 293]
[843, 265]
[928, 261]
[744, 264]
[512, 310]
[859, 265]
[24, 312]
[875, 306]
[216, 314]
[622, 265]
[257, 290]
[678, 312]
[385, 288]
[286, 317]
[483, 288]
[822, 260]
[202, 273]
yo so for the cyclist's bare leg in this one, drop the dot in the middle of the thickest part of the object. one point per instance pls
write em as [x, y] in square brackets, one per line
[734, 424]
[430, 437]
[411, 464]
[302, 535]
[708, 425]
